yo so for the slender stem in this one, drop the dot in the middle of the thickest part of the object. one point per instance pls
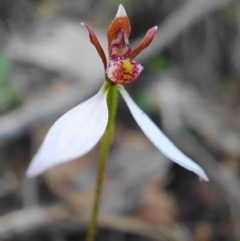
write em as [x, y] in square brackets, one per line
[105, 145]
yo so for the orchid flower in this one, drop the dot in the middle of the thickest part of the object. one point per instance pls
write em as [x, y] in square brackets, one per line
[79, 130]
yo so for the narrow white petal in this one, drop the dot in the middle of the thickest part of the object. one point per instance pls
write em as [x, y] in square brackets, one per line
[159, 139]
[72, 135]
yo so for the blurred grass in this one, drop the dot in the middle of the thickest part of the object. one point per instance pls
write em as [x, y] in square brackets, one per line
[158, 65]
[231, 13]
[9, 96]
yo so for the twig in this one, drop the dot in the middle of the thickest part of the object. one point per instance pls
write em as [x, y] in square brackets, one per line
[27, 220]
[179, 21]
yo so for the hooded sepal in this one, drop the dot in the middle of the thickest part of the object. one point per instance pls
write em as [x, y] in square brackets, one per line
[121, 21]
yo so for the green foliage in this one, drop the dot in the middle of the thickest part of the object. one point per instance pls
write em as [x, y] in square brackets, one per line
[185, 129]
[231, 12]
[9, 97]
[142, 99]
[158, 65]
[5, 66]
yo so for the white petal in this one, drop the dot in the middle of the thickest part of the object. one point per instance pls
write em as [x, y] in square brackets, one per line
[72, 135]
[159, 139]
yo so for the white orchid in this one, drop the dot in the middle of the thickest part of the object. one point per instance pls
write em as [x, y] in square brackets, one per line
[78, 131]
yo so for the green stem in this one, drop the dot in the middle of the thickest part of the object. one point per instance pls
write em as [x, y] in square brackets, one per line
[105, 145]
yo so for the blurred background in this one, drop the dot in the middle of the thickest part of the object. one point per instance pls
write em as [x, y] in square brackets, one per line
[190, 87]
